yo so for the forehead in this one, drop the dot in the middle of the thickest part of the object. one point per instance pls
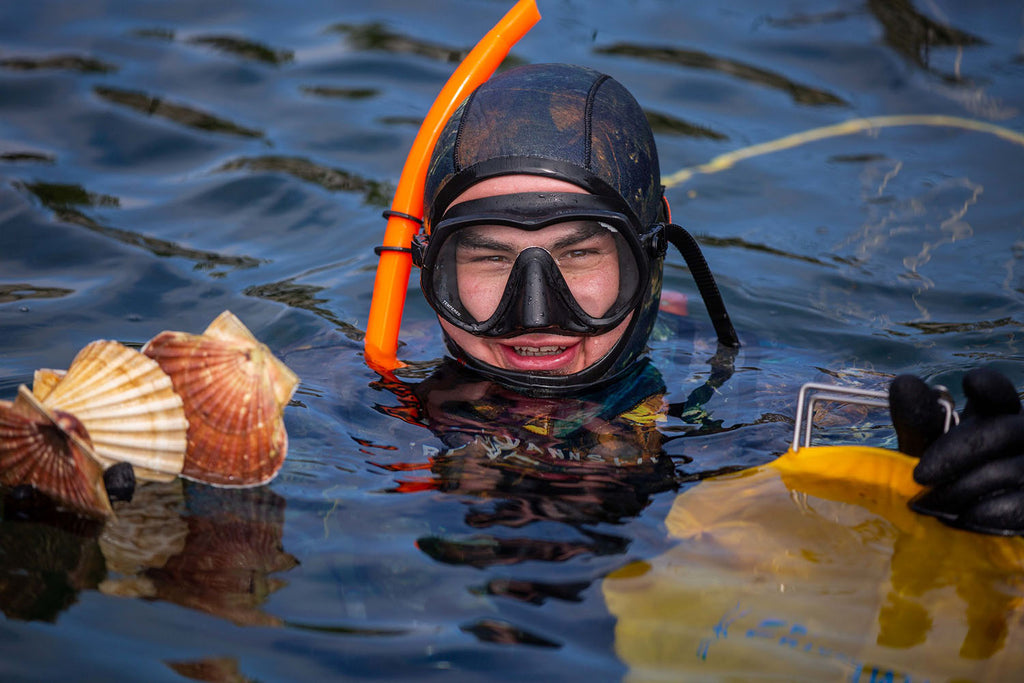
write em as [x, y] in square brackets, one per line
[514, 184]
[569, 233]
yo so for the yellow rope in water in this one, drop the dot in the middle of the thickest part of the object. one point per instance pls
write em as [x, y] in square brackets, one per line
[729, 159]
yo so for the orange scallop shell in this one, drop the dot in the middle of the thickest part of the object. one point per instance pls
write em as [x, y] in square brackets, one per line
[50, 450]
[234, 391]
[127, 404]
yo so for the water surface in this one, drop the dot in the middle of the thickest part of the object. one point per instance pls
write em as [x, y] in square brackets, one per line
[162, 162]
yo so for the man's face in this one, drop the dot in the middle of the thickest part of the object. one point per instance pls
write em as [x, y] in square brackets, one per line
[587, 261]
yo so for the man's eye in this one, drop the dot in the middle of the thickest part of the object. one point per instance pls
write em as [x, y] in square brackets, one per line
[583, 254]
[484, 258]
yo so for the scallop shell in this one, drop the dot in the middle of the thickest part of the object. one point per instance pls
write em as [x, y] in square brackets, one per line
[128, 405]
[234, 391]
[50, 450]
[44, 381]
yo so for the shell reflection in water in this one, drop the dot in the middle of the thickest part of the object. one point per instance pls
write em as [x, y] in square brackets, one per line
[233, 555]
[127, 404]
[234, 392]
[145, 535]
[50, 450]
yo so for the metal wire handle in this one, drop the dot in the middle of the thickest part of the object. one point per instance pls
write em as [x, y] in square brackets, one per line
[813, 393]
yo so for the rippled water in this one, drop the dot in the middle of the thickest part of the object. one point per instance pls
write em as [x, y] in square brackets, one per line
[162, 162]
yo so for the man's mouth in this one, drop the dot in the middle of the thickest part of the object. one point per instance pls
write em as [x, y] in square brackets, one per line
[539, 350]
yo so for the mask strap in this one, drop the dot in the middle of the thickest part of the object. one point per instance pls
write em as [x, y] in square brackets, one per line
[688, 247]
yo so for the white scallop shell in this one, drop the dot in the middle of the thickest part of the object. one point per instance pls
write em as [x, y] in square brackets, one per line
[128, 405]
[44, 381]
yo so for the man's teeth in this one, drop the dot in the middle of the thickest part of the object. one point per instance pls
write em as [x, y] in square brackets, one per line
[539, 350]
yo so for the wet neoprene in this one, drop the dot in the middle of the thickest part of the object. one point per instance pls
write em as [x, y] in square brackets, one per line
[577, 125]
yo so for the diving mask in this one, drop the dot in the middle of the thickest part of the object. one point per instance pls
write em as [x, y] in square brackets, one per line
[507, 265]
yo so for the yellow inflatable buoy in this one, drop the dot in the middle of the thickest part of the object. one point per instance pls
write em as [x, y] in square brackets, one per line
[813, 568]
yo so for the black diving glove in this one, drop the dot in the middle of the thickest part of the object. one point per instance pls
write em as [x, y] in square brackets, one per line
[975, 472]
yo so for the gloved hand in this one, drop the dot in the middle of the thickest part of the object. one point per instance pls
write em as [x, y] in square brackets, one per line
[975, 472]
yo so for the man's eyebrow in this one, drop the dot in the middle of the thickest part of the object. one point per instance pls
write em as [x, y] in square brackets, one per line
[471, 239]
[583, 231]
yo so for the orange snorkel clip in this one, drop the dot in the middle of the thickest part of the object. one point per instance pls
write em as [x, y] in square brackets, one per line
[381, 343]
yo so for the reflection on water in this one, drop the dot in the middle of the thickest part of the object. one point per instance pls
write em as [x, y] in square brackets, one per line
[344, 93]
[494, 631]
[376, 37]
[232, 554]
[666, 124]
[332, 179]
[776, 566]
[151, 105]
[536, 476]
[246, 49]
[914, 34]
[63, 199]
[906, 29]
[522, 464]
[211, 670]
[306, 297]
[164, 161]
[33, 157]
[215, 550]
[63, 62]
[46, 557]
[694, 59]
[24, 290]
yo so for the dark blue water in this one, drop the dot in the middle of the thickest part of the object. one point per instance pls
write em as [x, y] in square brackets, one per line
[162, 162]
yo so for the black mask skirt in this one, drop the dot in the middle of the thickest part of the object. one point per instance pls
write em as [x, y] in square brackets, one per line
[570, 263]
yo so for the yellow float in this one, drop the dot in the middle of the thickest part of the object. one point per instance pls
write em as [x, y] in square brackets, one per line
[813, 568]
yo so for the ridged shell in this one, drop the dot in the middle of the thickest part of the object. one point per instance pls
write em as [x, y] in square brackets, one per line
[234, 391]
[50, 450]
[44, 381]
[128, 405]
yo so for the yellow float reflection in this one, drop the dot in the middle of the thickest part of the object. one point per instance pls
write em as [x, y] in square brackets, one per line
[813, 568]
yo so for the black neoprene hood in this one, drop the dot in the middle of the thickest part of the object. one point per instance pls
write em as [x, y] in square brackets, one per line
[565, 122]
[556, 120]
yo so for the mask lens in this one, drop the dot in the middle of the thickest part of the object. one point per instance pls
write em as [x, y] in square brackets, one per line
[587, 261]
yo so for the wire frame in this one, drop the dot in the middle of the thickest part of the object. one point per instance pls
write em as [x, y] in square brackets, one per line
[813, 393]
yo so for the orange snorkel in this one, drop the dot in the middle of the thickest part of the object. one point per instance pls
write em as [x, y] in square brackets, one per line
[389, 289]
